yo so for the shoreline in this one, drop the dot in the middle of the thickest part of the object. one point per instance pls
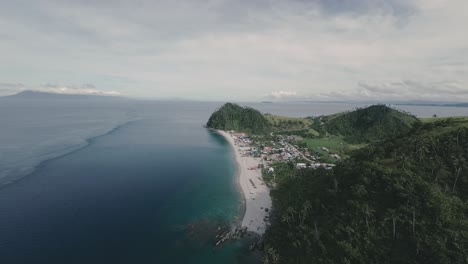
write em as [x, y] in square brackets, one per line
[243, 206]
[255, 193]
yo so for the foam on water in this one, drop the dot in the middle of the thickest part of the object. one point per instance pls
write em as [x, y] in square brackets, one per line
[33, 132]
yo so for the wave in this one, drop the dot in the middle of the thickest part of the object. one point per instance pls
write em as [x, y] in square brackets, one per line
[18, 172]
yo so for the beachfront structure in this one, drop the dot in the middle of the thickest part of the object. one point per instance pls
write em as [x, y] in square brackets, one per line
[301, 165]
[336, 156]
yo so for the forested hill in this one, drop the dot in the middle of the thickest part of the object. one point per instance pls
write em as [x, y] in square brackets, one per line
[369, 124]
[364, 125]
[234, 117]
[404, 200]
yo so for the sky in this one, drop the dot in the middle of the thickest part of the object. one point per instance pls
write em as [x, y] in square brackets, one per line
[237, 50]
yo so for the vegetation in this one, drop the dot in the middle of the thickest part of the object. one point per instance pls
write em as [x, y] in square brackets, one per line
[368, 124]
[458, 119]
[336, 144]
[234, 117]
[282, 123]
[400, 195]
[363, 125]
[403, 200]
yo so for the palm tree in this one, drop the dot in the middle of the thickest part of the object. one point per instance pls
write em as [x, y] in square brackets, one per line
[393, 216]
[457, 162]
[286, 218]
[271, 256]
[305, 210]
[437, 165]
[335, 185]
[296, 243]
[456, 179]
[368, 214]
[317, 235]
[423, 150]
[404, 161]
[291, 212]
[275, 257]
[435, 144]
[458, 135]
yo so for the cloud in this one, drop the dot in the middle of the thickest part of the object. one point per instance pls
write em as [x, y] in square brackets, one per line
[7, 88]
[85, 89]
[411, 89]
[7, 85]
[282, 95]
[404, 90]
[226, 49]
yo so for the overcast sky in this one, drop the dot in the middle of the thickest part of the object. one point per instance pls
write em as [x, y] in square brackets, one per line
[238, 50]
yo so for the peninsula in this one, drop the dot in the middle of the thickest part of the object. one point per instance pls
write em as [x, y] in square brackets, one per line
[232, 122]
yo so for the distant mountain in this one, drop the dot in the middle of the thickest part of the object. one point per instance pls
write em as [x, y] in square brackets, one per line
[35, 95]
[234, 117]
[376, 122]
[431, 103]
[458, 105]
[373, 102]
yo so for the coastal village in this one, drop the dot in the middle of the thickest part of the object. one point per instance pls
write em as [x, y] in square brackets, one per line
[299, 179]
[255, 157]
[282, 149]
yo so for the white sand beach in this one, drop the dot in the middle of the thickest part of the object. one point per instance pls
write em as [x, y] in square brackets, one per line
[256, 193]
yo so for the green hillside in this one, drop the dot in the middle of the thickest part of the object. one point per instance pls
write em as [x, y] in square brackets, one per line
[368, 124]
[234, 117]
[403, 200]
[282, 123]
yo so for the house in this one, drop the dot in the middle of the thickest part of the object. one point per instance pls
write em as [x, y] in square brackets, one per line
[336, 156]
[301, 165]
[315, 165]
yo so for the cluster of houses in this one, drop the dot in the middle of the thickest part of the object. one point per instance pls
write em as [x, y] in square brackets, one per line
[282, 151]
[316, 165]
[285, 153]
[241, 139]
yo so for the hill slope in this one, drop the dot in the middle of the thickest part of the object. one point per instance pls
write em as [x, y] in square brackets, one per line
[234, 117]
[369, 124]
[282, 123]
[404, 200]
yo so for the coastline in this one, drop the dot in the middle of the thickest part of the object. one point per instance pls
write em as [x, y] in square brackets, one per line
[256, 195]
[239, 189]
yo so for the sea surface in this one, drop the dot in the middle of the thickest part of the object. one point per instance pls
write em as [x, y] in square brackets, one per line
[123, 181]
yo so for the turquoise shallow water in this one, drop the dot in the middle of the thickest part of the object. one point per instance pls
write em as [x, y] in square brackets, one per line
[127, 197]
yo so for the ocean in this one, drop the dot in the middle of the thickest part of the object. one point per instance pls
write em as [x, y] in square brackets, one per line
[123, 181]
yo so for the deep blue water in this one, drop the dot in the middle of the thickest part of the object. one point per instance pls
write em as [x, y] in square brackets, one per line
[127, 195]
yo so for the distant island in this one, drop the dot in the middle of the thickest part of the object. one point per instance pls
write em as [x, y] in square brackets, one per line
[373, 185]
[39, 95]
